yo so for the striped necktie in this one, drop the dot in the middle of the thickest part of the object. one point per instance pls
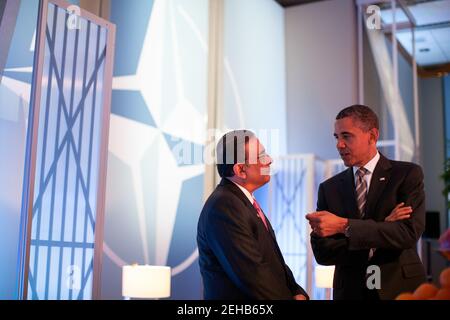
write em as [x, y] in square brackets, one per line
[361, 190]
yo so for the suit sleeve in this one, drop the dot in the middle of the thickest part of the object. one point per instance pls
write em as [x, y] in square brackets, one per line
[293, 285]
[230, 237]
[291, 282]
[402, 234]
[329, 250]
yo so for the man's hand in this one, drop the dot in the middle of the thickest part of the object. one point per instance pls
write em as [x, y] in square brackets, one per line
[300, 297]
[400, 212]
[325, 224]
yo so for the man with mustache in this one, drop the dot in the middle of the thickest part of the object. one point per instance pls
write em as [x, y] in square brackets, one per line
[371, 214]
[238, 253]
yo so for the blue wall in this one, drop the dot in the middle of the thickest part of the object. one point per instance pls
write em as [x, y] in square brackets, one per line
[154, 190]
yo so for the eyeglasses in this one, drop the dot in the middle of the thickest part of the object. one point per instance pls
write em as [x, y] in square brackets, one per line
[262, 158]
[262, 155]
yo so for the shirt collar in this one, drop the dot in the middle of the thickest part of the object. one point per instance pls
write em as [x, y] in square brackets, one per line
[245, 191]
[370, 166]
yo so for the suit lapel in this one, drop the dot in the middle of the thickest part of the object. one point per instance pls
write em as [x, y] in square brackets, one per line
[378, 183]
[348, 194]
[234, 189]
[269, 225]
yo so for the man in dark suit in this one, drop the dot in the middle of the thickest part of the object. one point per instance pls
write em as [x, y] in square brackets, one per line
[370, 216]
[238, 254]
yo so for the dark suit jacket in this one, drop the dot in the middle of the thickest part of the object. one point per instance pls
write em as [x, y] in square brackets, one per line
[238, 257]
[395, 242]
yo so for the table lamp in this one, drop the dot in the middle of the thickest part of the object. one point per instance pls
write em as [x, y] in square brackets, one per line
[324, 279]
[144, 281]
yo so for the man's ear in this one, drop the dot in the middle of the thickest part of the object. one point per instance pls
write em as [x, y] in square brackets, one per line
[374, 135]
[239, 171]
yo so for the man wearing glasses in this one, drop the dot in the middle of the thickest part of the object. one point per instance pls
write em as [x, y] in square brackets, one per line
[238, 253]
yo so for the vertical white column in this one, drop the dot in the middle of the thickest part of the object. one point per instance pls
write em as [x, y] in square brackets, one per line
[417, 154]
[215, 86]
[310, 190]
[395, 75]
[360, 27]
[31, 154]
[416, 98]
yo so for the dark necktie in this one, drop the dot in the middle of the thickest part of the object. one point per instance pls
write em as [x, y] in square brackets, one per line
[260, 213]
[361, 190]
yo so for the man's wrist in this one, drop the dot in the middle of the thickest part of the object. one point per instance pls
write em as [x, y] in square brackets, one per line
[345, 225]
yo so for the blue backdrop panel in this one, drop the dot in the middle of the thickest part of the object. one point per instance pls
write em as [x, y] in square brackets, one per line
[15, 89]
[289, 205]
[158, 129]
[67, 164]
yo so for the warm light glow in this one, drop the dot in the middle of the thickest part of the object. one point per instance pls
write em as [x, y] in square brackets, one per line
[144, 281]
[324, 276]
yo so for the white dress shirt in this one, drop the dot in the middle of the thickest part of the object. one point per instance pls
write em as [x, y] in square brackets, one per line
[370, 167]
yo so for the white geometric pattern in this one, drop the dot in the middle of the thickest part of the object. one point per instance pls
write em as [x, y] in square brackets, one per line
[130, 140]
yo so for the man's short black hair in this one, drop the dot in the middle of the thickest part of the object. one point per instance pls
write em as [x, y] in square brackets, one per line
[231, 150]
[366, 117]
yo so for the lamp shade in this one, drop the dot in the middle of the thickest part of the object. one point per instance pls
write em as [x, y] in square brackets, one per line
[144, 281]
[324, 276]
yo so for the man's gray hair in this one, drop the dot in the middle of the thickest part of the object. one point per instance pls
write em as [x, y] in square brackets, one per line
[231, 150]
